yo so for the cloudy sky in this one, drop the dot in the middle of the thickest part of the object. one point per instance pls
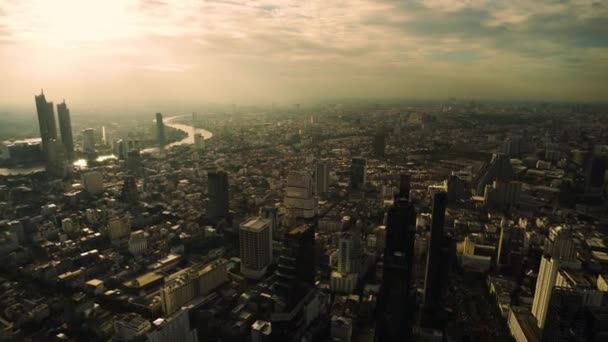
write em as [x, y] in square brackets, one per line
[118, 52]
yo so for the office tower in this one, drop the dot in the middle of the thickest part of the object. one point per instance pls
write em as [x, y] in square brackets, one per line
[574, 293]
[104, 136]
[160, 130]
[119, 228]
[321, 177]
[133, 163]
[193, 282]
[502, 194]
[129, 192]
[131, 327]
[349, 263]
[65, 127]
[455, 188]
[217, 188]
[46, 121]
[255, 240]
[395, 311]
[272, 214]
[199, 141]
[92, 182]
[358, 169]
[433, 289]
[138, 242]
[379, 144]
[296, 267]
[55, 158]
[349, 253]
[88, 141]
[499, 168]
[512, 147]
[298, 195]
[559, 252]
[120, 149]
[595, 176]
[404, 186]
[173, 328]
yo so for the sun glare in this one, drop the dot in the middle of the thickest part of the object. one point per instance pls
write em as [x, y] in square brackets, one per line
[77, 21]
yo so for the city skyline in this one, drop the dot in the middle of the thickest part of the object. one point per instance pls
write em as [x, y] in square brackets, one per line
[197, 52]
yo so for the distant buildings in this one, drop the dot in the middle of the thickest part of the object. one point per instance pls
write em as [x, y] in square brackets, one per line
[255, 237]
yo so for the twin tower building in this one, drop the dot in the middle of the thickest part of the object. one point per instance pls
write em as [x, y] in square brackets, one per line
[54, 150]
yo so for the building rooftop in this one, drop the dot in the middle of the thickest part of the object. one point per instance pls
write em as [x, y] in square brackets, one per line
[256, 224]
[143, 280]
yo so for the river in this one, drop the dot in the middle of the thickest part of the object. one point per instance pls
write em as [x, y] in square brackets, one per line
[82, 163]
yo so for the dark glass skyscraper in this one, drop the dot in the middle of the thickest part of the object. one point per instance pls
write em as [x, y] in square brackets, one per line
[404, 186]
[160, 130]
[65, 127]
[46, 122]
[218, 194]
[432, 281]
[395, 312]
[358, 168]
[379, 144]
[295, 271]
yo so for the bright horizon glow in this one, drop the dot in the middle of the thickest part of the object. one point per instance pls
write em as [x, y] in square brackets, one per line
[149, 52]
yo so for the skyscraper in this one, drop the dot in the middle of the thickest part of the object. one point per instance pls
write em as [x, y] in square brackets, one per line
[349, 257]
[358, 168]
[395, 312]
[559, 253]
[88, 140]
[255, 239]
[404, 186]
[321, 177]
[433, 289]
[160, 130]
[217, 185]
[594, 176]
[379, 144]
[296, 267]
[298, 195]
[65, 127]
[46, 121]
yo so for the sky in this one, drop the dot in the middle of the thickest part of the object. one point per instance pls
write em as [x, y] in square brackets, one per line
[121, 53]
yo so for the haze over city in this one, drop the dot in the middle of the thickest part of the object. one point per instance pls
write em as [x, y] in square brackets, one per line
[190, 52]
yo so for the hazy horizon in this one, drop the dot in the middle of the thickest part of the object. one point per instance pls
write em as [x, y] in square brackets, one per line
[187, 53]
